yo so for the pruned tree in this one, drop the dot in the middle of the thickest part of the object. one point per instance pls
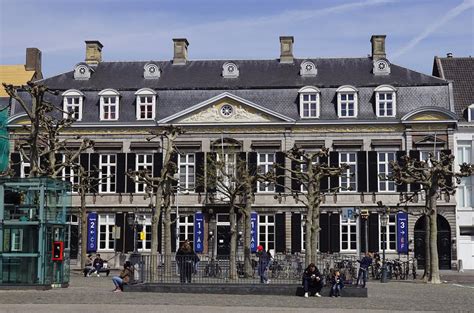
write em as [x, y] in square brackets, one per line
[435, 178]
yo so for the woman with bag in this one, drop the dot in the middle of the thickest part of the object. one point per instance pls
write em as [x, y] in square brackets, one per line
[123, 278]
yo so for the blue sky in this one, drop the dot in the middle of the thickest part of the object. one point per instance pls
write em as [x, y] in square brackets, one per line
[416, 30]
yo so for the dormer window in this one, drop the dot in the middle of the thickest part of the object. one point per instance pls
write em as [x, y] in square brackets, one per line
[385, 101]
[146, 102]
[82, 71]
[230, 70]
[309, 102]
[72, 103]
[347, 102]
[151, 71]
[308, 69]
[109, 105]
[470, 113]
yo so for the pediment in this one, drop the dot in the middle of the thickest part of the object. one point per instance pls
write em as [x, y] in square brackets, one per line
[427, 114]
[226, 108]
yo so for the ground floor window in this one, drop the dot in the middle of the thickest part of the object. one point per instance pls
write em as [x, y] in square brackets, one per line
[106, 232]
[144, 243]
[186, 228]
[266, 231]
[388, 233]
[348, 234]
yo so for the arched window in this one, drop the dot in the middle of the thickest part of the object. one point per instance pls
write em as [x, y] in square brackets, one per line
[72, 102]
[385, 101]
[309, 102]
[347, 102]
[109, 105]
[146, 102]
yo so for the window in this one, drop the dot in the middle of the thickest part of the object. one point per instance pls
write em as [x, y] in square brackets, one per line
[186, 171]
[72, 102]
[309, 102]
[16, 240]
[106, 232]
[304, 169]
[227, 172]
[303, 234]
[385, 101]
[72, 225]
[107, 176]
[146, 101]
[143, 161]
[266, 231]
[145, 243]
[186, 228]
[390, 231]
[347, 102]
[68, 173]
[470, 113]
[265, 165]
[348, 234]
[24, 168]
[348, 181]
[384, 168]
[464, 193]
[425, 156]
[109, 105]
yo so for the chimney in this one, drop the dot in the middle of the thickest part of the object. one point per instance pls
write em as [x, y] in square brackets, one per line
[378, 47]
[93, 52]
[286, 49]
[180, 51]
[33, 61]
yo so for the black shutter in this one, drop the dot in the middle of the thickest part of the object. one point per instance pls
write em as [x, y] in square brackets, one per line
[119, 222]
[129, 232]
[84, 161]
[324, 232]
[160, 235]
[15, 160]
[334, 233]
[362, 171]
[334, 162]
[325, 180]
[158, 164]
[173, 232]
[295, 232]
[200, 177]
[363, 223]
[373, 172]
[131, 166]
[241, 163]
[374, 232]
[414, 154]
[280, 172]
[174, 159]
[94, 167]
[280, 232]
[211, 180]
[121, 174]
[449, 178]
[252, 164]
[401, 162]
[295, 184]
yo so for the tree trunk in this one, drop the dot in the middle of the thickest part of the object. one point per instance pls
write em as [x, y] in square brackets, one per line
[233, 243]
[427, 271]
[83, 215]
[247, 235]
[167, 239]
[434, 260]
[154, 235]
[309, 228]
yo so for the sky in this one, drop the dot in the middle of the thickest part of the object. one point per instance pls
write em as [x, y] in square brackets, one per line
[142, 30]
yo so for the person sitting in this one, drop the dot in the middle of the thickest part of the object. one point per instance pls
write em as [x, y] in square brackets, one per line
[88, 266]
[312, 281]
[97, 265]
[337, 284]
[123, 278]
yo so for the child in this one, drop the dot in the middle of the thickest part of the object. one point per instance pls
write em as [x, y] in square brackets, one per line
[336, 284]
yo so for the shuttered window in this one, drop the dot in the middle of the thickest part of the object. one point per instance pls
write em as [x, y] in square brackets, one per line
[348, 234]
[143, 162]
[266, 231]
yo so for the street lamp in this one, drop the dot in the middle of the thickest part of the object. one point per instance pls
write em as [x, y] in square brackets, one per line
[384, 221]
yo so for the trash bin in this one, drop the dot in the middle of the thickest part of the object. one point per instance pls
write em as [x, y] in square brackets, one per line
[136, 260]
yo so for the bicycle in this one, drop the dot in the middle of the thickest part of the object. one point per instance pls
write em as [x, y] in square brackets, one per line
[213, 269]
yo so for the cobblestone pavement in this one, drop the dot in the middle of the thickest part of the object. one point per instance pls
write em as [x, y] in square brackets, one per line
[95, 293]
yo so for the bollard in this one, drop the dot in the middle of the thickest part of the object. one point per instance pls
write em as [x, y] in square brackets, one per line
[460, 268]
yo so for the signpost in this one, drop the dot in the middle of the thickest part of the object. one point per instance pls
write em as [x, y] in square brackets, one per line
[92, 232]
[347, 213]
[253, 231]
[198, 232]
[402, 232]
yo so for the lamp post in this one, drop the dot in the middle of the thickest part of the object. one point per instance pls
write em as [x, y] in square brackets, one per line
[384, 221]
[211, 246]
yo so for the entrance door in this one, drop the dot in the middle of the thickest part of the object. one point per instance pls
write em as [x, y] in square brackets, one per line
[223, 235]
[444, 243]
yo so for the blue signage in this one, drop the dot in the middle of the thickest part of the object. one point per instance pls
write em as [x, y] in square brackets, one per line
[402, 232]
[253, 231]
[198, 232]
[92, 226]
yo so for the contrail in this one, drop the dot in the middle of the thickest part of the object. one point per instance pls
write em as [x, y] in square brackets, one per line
[466, 5]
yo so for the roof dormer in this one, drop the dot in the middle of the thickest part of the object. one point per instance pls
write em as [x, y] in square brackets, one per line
[308, 69]
[82, 71]
[151, 71]
[230, 70]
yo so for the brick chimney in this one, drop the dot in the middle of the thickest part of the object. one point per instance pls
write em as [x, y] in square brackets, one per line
[286, 49]
[378, 47]
[33, 61]
[180, 51]
[93, 52]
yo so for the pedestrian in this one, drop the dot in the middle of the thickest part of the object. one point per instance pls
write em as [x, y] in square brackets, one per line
[96, 265]
[124, 277]
[336, 284]
[365, 262]
[312, 281]
[186, 259]
[89, 266]
[263, 263]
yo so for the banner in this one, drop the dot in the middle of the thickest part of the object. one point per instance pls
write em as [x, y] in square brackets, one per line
[402, 232]
[253, 231]
[92, 232]
[198, 232]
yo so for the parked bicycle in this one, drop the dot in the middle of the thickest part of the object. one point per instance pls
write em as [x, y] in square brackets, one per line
[213, 269]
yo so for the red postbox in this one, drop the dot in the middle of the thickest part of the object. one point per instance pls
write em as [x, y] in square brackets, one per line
[58, 250]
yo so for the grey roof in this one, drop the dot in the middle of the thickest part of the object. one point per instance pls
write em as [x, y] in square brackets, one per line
[461, 72]
[253, 74]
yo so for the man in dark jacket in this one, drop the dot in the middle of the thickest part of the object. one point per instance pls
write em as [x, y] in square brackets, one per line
[263, 263]
[364, 269]
[312, 281]
[186, 259]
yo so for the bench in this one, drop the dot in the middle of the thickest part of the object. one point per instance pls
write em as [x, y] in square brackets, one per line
[105, 269]
[347, 291]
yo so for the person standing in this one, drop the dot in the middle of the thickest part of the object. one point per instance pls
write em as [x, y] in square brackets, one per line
[186, 258]
[312, 281]
[364, 269]
[263, 262]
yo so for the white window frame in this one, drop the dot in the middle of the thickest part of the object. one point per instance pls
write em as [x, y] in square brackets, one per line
[265, 223]
[347, 90]
[267, 166]
[71, 220]
[109, 94]
[186, 228]
[470, 113]
[74, 95]
[16, 240]
[230, 167]
[381, 103]
[107, 244]
[464, 194]
[147, 164]
[24, 167]
[310, 91]
[110, 175]
[68, 174]
[144, 245]
[348, 180]
[146, 93]
[303, 234]
[303, 170]
[186, 185]
[351, 224]
[392, 223]
[383, 184]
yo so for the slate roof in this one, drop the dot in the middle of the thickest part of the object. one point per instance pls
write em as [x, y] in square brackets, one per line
[461, 72]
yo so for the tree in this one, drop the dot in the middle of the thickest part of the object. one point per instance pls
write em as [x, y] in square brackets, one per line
[308, 171]
[435, 178]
